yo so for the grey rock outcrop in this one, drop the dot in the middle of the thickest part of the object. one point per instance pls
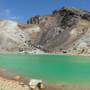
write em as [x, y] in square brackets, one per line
[61, 31]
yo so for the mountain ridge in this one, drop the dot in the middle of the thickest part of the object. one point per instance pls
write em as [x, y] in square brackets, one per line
[64, 31]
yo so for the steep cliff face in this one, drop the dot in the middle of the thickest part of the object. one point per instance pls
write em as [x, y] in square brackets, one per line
[11, 37]
[65, 31]
[16, 38]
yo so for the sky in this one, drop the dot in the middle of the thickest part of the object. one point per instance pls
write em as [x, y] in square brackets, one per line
[21, 10]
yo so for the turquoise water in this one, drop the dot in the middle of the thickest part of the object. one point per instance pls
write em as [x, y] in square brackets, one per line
[51, 68]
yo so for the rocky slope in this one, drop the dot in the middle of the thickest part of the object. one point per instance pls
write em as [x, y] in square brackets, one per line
[16, 38]
[65, 31]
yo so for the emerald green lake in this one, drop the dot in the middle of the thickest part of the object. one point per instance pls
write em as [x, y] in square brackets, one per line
[50, 68]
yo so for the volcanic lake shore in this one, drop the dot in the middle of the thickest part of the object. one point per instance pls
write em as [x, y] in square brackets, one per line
[21, 83]
[8, 84]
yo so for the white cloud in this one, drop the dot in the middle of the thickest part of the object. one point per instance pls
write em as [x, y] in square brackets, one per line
[15, 17]
[7, 14]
